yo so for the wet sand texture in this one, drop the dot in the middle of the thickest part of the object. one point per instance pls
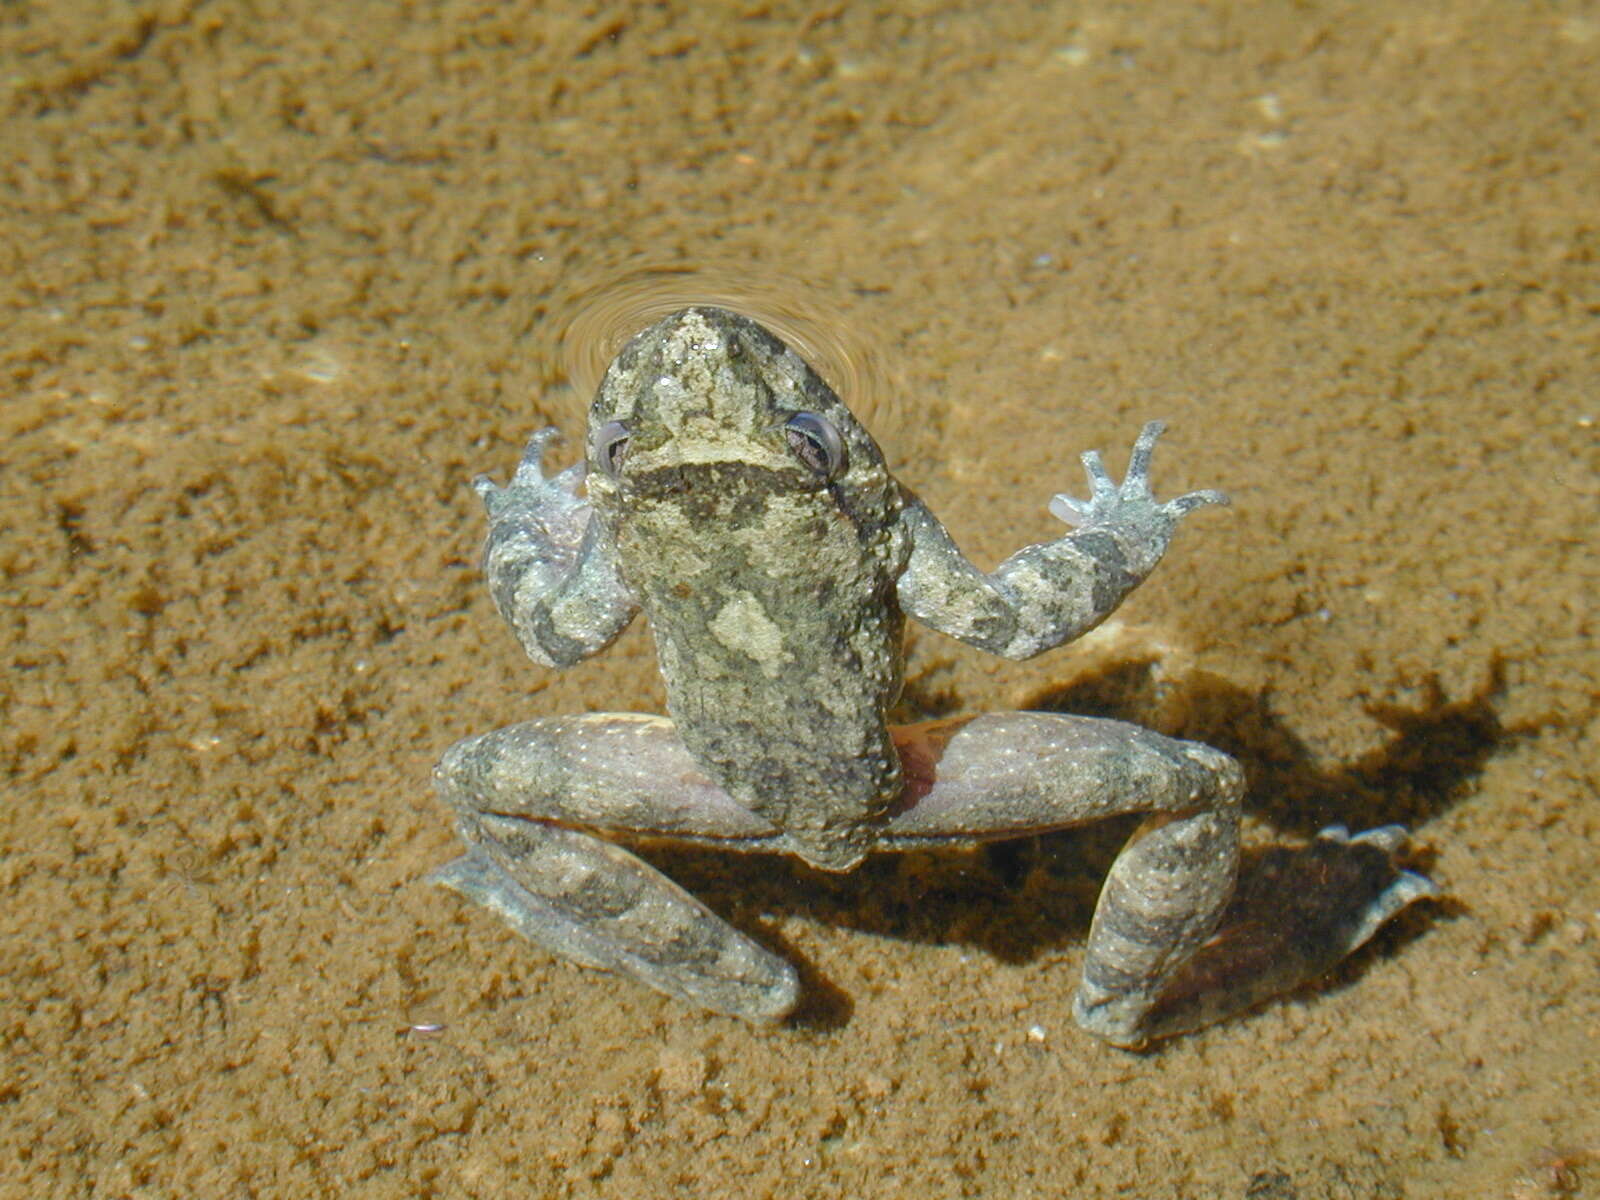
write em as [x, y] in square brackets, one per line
[279, 279]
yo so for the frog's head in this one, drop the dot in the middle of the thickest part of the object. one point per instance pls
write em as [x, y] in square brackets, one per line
[706, 396]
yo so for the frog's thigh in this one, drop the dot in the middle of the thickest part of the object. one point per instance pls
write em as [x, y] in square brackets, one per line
[1007, 774]
[525, 798]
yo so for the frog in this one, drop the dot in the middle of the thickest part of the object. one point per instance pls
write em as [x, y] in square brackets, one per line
[728, 493]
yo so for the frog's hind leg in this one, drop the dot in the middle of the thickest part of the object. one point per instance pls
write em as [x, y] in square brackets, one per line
[530, 801]
[1152, 967]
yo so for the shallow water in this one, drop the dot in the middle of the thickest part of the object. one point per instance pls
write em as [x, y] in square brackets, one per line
[277, 288]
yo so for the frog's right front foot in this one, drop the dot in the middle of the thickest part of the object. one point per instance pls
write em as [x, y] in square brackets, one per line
[1129, 512]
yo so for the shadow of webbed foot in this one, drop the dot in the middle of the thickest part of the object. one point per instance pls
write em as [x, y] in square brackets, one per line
[1297, 914]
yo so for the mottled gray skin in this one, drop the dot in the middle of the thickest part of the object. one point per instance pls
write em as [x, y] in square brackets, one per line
[770, 590]
[776, 573]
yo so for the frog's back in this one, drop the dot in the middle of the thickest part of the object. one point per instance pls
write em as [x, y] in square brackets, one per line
[756, 523]
[780, 641]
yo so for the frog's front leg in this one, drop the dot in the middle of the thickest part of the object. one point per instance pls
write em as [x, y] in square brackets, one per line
[1052, 592]
[1152, 967]
[549, 569]
[534, 804]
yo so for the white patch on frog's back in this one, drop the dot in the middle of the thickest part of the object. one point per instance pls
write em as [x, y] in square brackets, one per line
[743, 625]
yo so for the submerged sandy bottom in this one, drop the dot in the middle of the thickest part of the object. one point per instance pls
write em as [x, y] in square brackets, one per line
[275, 288]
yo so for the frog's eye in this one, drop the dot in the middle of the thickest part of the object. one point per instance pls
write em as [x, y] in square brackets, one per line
[816, 443]
[609, 447]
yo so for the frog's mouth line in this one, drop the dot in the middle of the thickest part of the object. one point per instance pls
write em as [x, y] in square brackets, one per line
[737, 492]
[720, 479]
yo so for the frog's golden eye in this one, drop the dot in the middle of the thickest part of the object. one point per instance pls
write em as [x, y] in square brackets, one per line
[816, 443]
[608, 446]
